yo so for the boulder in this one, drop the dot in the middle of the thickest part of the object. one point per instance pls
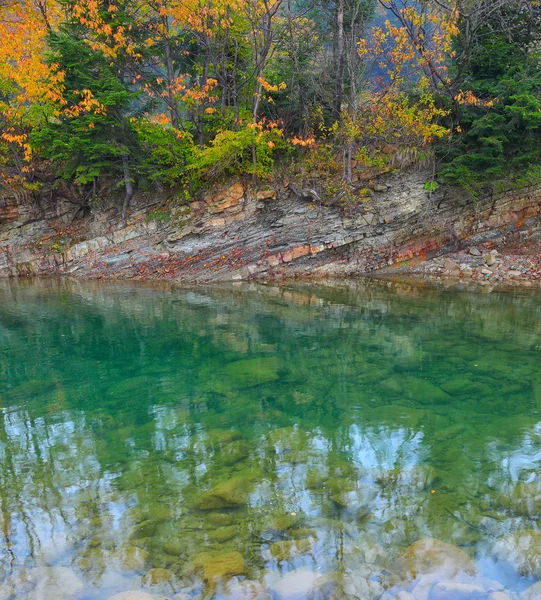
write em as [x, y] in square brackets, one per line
[49, 581]
[231, 493]
[298, 585]
[132, 595]
[524, 499]
[252, 372]
[219, 519]
[430, 555]
[451, 590]
[218, 566]
[245, 590]
[130, 558]
[356, 586]
[501, 596]
[234, 452]
[521, 551]
[532, 593]
[424, 392]
[290, 548]
[156, 577]
[451, 266]
[224, 534]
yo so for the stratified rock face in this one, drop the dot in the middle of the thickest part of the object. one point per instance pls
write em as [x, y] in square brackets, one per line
[434, 556]
[235, 233]
[521, 551]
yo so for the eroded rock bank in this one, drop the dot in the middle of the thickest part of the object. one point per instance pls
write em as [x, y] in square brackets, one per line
[239, 233]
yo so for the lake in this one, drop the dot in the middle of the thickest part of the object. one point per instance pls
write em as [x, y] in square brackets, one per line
[348, 440]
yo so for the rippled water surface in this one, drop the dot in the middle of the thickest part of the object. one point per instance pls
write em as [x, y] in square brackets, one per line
[209, 442]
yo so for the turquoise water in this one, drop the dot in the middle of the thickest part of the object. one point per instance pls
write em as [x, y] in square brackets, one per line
[191, 441]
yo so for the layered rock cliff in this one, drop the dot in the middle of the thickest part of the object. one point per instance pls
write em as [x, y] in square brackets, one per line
[238, 233]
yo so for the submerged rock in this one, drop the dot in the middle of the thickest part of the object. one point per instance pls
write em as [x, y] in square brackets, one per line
[430, 555]
[234, 452]
[219, 519]
[244, 590]
[54, 583]
[156, 577]
[132, 595]
[300, 584]
[523, 500]
[532, 593]
[522, 551]
[217, 566]
[290, 548]
[451, 590]
[231, 493]
[291, 443]
[130, 558]
[424, 392]
[224, 534]
[253, 371]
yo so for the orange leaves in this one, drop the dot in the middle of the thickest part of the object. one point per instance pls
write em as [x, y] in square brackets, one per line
[470, 99]
[303, 142]
[268, 87]
[87, 104]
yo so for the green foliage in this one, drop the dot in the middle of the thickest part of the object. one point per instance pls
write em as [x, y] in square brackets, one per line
[500, 133]
[91, 130]
[231, 153]
[431, 186]
[166, 153]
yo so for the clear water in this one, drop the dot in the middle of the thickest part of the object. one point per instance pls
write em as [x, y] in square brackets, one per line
[158, 438]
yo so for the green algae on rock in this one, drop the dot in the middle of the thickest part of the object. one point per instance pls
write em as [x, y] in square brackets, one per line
[219, 565]
[434, 556]
[521, 551]
[231, 493]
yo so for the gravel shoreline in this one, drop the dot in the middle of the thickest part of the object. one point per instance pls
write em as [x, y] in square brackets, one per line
[485, 264]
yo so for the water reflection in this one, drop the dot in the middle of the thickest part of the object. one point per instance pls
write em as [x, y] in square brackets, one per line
[210, 442]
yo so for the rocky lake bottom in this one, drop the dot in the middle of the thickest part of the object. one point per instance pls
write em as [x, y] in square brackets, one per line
[368, 440]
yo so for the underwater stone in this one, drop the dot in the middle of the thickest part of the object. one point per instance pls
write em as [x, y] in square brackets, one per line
[430, 555]
[156, 577]
[297, 585]
[245, 590]
[522, 551]
[253, 371]
[131, 558]
[506, 596]
[54, 583]
[218, 519]
[234, 452]
[451, 590]
[216, 566]
[524, 500]
[133, 595]
[532, 593]
[231, 493]
[224, 534]
[290, 548]
[173, 547]
[285, 522]
[425, 392]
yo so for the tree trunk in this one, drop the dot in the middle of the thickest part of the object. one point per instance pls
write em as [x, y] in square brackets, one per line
[339, 58]
[128, 184]
[175, 121]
